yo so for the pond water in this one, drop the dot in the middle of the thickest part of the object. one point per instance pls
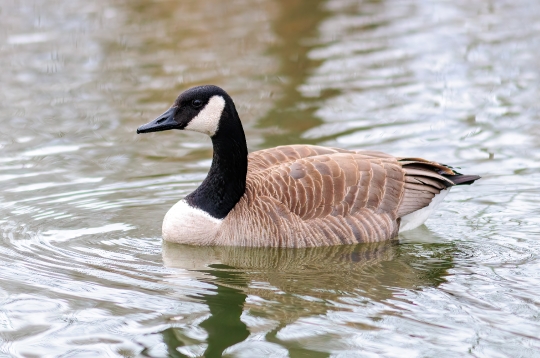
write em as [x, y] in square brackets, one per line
[83, 270]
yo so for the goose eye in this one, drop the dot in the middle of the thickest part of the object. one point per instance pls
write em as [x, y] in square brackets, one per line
[196, 103]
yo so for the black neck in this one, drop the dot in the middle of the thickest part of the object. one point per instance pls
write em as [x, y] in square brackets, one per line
[226, 180]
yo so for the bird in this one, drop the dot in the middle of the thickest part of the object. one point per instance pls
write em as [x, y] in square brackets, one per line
[294, 195]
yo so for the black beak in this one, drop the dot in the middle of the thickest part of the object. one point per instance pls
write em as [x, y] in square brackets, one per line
[162, 123]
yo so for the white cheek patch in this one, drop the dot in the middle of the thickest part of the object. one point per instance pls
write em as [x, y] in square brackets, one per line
[207, 121]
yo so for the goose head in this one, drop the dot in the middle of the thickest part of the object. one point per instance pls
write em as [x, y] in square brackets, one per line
[210, 110]
[200, 109]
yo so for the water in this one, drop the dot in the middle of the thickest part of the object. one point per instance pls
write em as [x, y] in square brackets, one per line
[83, 271]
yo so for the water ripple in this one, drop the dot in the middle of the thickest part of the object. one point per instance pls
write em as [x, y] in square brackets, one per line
[83, 270]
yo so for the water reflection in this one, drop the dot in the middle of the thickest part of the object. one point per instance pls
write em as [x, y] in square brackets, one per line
[285, 286]
[224, 326]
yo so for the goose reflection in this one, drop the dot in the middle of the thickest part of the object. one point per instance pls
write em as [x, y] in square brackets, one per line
[285, 285]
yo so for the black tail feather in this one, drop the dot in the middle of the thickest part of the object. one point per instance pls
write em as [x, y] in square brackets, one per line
[461, 179]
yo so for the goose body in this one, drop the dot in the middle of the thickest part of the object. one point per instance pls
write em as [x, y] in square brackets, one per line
[295, 195]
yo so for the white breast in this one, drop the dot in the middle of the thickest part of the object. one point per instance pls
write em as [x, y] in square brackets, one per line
[185, 224]
[418, 217]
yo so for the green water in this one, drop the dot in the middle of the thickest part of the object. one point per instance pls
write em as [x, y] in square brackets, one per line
[83, 270]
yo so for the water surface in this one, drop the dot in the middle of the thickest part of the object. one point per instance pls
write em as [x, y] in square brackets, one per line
[83, 268]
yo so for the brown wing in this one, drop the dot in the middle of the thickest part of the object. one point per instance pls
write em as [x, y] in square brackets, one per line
[340, 197]
[315, 196]
[335, 184]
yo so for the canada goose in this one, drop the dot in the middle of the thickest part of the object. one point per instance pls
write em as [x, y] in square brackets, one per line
[294, 195]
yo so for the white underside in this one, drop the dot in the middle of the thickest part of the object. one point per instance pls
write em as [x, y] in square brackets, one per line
[185, 224]
[418, 217]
